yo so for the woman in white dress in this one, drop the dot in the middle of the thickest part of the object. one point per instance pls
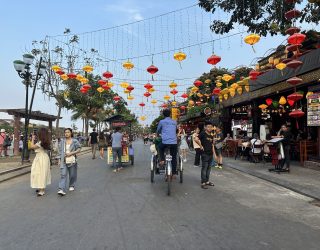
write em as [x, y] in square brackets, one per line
[183, 143]
[40, 169]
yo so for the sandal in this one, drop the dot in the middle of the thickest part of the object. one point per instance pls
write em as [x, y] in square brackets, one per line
[210, 184]
[204, 186]
[115, 171]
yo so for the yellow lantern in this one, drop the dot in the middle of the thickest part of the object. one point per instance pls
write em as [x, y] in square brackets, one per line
[309, 93]
[100, 90]
[66, 94]
[240, 83]
[219, 84]
[239, 90]
[281, 66]
[246, 80]
[88, 68]
[271, 60]
[84, 80]
[263, 106]
[173, 85]
[79, 77]
[252, 40]
[126, 91]
[191, 103]
[234, 85]
[232, 92]
[154, 102]
[247, 88]
[124, 85]
[128, 65]
[276, 61]
[143, 118]
[130, 97]
[226, 96]
[226, 77]
[179, 56]
[220, 98]
[207, 81]
[257, 67]
[200, 95]
[151, 90]
[174, 103]
[55, 68]
[166, 97]
[282, 100]
[194, 89]
[110, 84]
[64, 77]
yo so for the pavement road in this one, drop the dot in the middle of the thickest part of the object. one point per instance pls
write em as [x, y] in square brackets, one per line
[126, 211]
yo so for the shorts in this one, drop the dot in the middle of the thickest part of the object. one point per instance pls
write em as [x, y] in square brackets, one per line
[218, 151]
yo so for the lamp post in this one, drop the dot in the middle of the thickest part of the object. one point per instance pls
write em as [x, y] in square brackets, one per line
[24, 71]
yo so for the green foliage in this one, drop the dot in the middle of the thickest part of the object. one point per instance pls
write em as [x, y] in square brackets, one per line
[154, 124]
[262, 17]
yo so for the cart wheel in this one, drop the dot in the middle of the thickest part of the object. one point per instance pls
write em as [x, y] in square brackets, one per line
[169, 185]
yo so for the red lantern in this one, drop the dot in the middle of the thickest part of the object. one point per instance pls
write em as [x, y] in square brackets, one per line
[174, 92]
[102, 82]
[72, 75]
[269, 101]
[293, 47]
[296, 113]
[152, 70]
[198, 83]
[296, 38]
[198, 103]
[117, 98]
[295, 97]
[254, 74]
[142, 104]
[130, 88]
[105, 87]
[294, 80]
[107, 75]
[184, 96]
[292, 14]
[214, 59]
[294, 64]
[147, 94]
[182, 107]
[83, 90]
[60, 72]
[290, 102]
[148, 86]
[216, 91]
[164, 106]
[86, 86]
[286, 60]
[292, 30]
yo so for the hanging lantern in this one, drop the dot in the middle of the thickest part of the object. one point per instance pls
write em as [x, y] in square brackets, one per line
[276, 61]
[191, 103]
[164, 106]
[117, 98]
[292, 14]
[252, 40]
[180, 56]
[86, 86]
[294, 80]
[174, 103]
[100, 90]
[227, 77]
[142, 105]
[152, 70]
[128, 65]
[225, 96]
[130, 97]
[239, 90]
[84, 80]
[207, 81]
[173, 85]
[125, 91]
[60, 72]
[147, 94]
[64, 77]
[269, 101]
[296, 113]
[83, 90]
[148, 86]
[107, 75]
[184, 96]
[87, 68]
[247, 88]
[254, 75]
[199, 95]
[275, 104]
[198, 103]
[271, 59]
[292, 30]
[232, 92]
[281, 66]
[194, 89]
[151, 90]
[234, 85]
[282, 100]
[309, 93]
[55, 68]
[154, 102]
[216, 91]
[110, 84]
[293, 64]
[72, 75]
[296, 39]
[130, 88]
[182, 107]
[79, 77]
[295, 97]
[263, 106]
[291, 102]
[124, 85]
[220, 98]
[174, 92]
[105, 87]
[219, 84]
[66, 94]
[102, 82]
[143, 118]
[293, 47]
[198, 83]
[214, 59]
[166, 97]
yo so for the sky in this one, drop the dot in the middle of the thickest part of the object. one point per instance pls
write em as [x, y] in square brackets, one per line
[26, 21]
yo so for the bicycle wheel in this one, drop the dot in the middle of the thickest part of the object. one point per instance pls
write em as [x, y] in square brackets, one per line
[169, 185]
[153, 162]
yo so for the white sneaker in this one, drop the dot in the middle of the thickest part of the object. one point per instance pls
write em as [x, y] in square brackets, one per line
[101, 158]
[185, 160]
[71, 189]
[195, 166]
[61, 192]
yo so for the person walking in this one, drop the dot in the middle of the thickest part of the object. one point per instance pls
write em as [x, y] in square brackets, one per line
[69, 147]
[196, 147]
[40, 175]
[3, 142]
[205, 140]
[102, 144]
[183, 143]
[117, 149]
[285, 133]
[218, 144]
[93, 142]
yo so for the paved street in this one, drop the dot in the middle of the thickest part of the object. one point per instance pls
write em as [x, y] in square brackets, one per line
[126, 211]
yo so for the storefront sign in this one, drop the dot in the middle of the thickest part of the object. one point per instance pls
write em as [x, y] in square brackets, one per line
[314, 110]
[119, 124]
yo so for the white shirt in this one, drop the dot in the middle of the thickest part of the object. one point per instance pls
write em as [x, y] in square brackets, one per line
[255, 142]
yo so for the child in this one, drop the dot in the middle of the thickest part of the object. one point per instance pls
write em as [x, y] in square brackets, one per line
[131, 154]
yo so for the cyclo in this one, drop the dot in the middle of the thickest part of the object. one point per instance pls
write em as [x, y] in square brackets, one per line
[166, 169]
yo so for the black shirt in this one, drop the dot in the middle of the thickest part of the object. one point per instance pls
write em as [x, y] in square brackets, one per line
[94, 137]
[206, 142]
[286, 137]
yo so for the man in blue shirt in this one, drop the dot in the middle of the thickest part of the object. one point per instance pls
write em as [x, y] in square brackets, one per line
[168, 130]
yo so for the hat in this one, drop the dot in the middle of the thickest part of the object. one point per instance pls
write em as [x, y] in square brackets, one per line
[2, 130]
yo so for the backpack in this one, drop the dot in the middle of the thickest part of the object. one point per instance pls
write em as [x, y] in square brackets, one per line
[7, 142]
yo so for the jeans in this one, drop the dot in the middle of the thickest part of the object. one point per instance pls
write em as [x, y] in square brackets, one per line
[72, 171]
[206, 167]
[117, 152]
[287, 155]
[173, 152]
[197, 157]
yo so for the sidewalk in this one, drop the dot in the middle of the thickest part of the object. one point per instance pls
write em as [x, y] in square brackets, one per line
[302, 180]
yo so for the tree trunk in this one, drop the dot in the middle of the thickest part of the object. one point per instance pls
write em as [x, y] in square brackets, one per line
[58, 121]
[83, 125]
[87, 126]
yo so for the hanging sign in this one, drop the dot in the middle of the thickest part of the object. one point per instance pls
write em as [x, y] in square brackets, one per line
[314, 110]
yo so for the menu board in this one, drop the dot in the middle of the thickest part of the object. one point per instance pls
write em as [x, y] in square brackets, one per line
[314, 110]
[249, 128]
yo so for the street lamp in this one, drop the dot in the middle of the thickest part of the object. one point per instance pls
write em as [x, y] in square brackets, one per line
[24, 71]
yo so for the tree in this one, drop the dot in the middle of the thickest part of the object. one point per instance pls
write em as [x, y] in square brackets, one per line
[262, 17]
[154, 124]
